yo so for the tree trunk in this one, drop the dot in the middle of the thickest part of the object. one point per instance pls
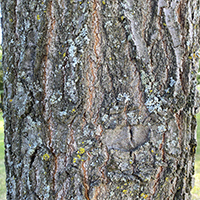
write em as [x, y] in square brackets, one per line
[100, 98]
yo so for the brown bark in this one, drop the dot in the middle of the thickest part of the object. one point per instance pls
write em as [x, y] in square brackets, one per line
[100, 98]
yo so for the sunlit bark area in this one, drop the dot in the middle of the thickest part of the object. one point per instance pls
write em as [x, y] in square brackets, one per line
[100, 98]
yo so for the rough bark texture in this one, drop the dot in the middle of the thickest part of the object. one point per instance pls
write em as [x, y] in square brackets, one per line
[100, 98]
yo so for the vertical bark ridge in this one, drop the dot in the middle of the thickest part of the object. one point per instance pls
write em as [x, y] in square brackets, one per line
[95, 95]
[47, 76]
[91, 89]
[96, 29]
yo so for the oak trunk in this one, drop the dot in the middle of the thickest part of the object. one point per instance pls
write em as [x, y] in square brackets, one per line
[100, 98]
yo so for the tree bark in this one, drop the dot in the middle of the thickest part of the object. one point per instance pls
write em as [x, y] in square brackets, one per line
[100, 98]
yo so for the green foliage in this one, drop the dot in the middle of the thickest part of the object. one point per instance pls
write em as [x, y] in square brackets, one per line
[198, 74]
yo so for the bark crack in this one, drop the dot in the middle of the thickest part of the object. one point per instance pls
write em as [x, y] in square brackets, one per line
[85, 179]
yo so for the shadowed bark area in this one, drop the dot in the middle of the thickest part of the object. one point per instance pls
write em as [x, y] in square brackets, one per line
[100, 98]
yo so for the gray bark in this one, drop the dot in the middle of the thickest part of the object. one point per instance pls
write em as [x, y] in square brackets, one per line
[100, 98]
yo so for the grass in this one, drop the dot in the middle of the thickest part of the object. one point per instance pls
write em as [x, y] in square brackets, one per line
[195, 190]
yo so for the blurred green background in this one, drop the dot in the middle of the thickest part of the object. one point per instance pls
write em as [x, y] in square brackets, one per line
[196, 189]
[2, 167]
